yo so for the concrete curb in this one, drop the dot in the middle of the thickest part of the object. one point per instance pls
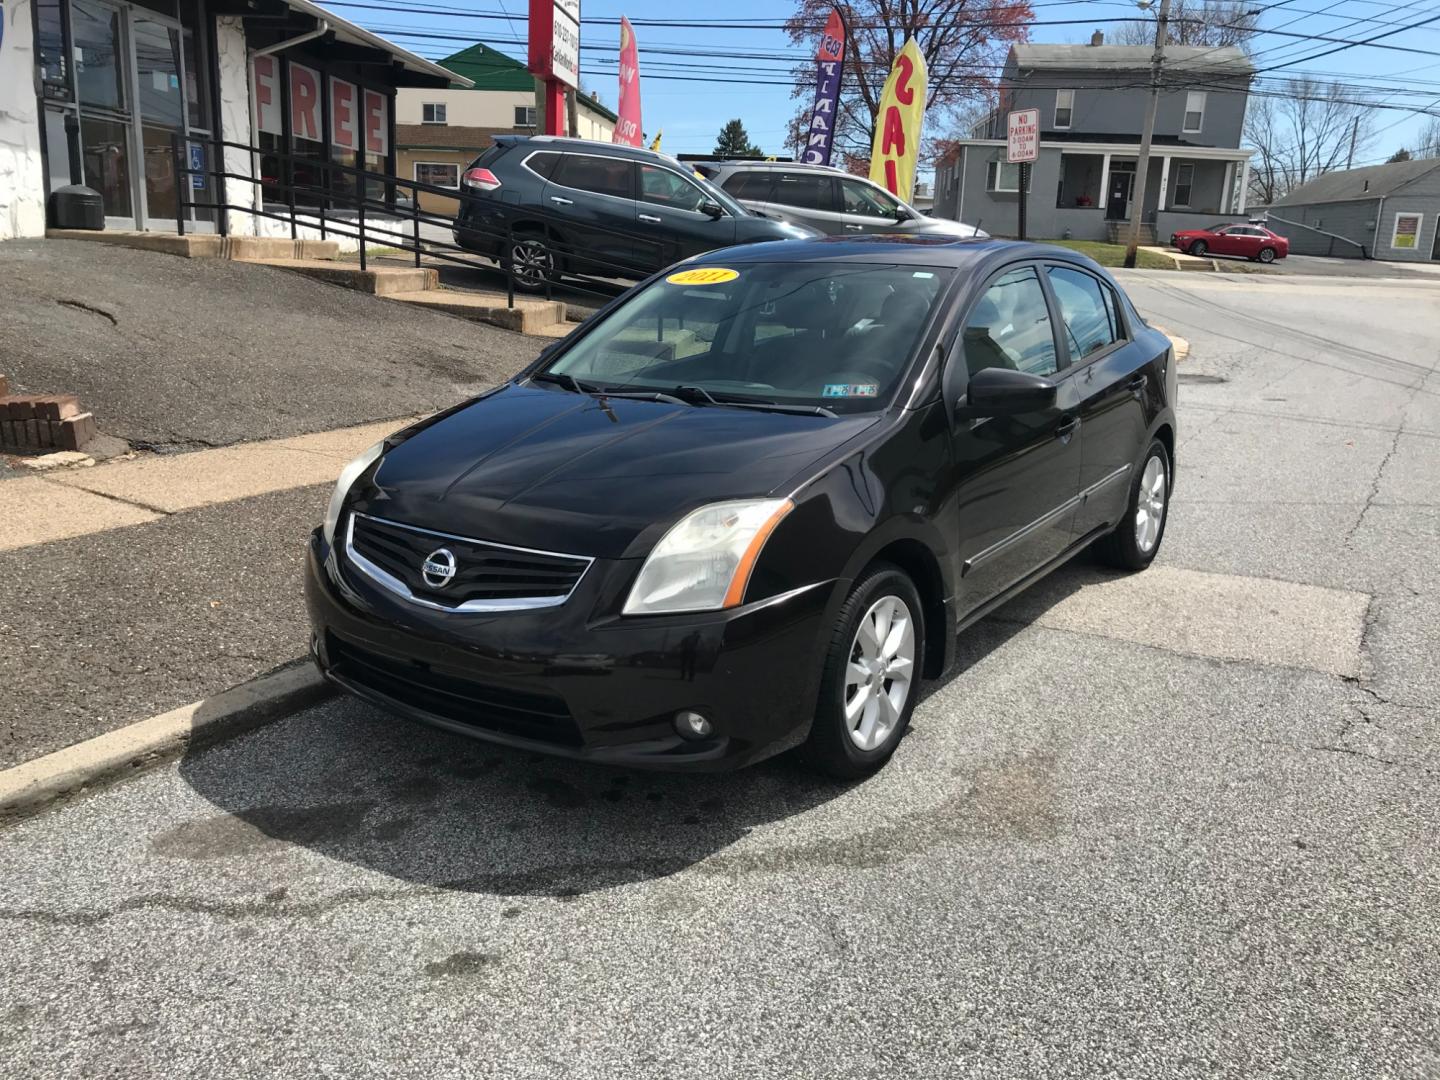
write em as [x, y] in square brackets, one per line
[28, 788]
[1180, 345]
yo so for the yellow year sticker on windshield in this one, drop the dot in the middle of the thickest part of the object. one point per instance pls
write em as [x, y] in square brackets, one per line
[703, 275]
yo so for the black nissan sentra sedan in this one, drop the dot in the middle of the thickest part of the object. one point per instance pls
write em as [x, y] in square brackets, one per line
[749, 505]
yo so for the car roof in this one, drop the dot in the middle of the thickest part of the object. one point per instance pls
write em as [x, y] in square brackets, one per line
[786, 166]
[564, 143]
[964, 253]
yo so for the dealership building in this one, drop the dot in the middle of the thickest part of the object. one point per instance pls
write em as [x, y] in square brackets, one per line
[105, 92]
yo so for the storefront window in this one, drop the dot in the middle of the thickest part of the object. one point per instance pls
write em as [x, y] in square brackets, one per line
[54, 66]
[105, 148]
[157, 61]
[99, 73]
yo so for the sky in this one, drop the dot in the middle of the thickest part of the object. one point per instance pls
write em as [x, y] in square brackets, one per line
[692, 113]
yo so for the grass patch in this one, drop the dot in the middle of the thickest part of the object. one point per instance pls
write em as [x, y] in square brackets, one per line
[1114, 254]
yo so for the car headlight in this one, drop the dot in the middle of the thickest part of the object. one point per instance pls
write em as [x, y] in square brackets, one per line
[703, 563]
[348, 476]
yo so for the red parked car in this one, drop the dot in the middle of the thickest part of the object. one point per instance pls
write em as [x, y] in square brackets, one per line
[1250, 241]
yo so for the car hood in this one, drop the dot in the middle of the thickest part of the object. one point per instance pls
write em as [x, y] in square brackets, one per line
[945, 227]
[542, 468]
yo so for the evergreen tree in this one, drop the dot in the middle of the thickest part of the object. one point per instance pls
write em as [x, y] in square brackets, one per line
[735, 142]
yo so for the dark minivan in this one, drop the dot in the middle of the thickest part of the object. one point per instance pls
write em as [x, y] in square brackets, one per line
[583, 207]
[750, 504]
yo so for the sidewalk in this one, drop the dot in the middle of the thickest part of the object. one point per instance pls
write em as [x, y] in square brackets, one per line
[133, 587]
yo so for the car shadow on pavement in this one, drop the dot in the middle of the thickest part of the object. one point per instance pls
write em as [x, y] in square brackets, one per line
[355, 784]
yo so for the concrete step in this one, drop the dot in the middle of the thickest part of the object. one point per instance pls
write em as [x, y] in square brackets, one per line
[542, 317]
[377, 280]
[207, 245]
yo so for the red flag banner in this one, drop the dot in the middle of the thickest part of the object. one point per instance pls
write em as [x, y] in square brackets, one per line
[627, 128]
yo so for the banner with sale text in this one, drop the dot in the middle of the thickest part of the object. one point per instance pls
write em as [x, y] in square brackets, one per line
[897, 125]
[829, 68]
[627, 129]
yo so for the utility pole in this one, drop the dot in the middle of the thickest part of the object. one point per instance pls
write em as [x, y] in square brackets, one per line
[1354, 131]
[1142, 164]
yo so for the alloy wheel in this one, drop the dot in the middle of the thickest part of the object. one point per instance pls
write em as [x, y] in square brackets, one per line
[1150, 505]
[1198, 248]
[1266, 255]
[880, 673]
[532, 262]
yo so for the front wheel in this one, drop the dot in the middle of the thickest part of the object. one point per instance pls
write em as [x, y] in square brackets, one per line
[1267, 255]
[871, 677]
[1136, 540]
[1197, 248]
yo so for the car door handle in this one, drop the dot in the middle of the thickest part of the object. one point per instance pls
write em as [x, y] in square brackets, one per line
[650, 218]
[855, 228]
[1137, 384]
[562, 201]
[1067, 427]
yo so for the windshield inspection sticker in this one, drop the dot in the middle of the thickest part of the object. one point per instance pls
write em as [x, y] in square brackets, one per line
[703, 275]
[850, 390]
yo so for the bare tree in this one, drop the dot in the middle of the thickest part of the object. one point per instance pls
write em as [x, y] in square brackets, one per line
[1428, 145]
[964, 43]
[1210, 23]
[1307, 130]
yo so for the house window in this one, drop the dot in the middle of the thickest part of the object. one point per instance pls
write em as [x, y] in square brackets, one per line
[1406, 236]
[1064, 106]
[524, 115]
[1194, 110]
[1003, 176]
[432, 112]
[437, 174]
[1184, 183]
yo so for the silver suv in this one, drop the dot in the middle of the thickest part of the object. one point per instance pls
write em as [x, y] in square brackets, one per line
[827, 199]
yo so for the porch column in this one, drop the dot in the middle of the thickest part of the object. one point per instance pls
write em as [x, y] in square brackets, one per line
[1164, 183]
[1244, 186]
[1104, 180]
[1227, 190]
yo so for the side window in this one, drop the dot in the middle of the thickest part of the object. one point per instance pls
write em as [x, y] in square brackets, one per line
[543, 163]
[804, 191]
[862, 199]
[1010, 327]
[602, 175]
[1083, 311]
[665, 188]
[754, 186]
[1112, 305]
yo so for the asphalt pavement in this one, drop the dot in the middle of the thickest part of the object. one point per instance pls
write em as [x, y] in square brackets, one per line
[174, 353]
[1180, 824]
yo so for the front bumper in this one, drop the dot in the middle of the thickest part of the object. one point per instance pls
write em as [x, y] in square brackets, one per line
[563, 681]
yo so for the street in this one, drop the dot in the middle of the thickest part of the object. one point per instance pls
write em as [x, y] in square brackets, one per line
[1181, 823]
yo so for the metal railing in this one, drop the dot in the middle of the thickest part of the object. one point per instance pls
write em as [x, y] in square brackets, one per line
[340, 201]
[1364, 251]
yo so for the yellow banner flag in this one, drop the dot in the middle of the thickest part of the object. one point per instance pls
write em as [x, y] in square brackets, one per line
[655, 145]
[897, 126]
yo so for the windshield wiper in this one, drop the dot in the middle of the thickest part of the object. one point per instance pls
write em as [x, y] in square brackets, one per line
[560, 378]
[732, 402]
[643, 395]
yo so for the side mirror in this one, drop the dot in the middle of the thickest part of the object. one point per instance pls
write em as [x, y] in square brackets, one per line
[901, 214]
[1005, 392]
[712, 209]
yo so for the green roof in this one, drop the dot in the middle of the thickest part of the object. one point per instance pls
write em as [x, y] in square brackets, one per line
[490, 69]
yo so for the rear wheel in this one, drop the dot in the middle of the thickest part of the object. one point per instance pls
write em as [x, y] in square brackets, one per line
[1197, 248]
[532, 261]
[1136, 539]
[871, 677]
[1267, 255]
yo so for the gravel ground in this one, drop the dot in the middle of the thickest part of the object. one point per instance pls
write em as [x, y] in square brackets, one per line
[204, 352]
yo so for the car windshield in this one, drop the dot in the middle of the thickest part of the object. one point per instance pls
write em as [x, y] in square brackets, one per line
[833, 336]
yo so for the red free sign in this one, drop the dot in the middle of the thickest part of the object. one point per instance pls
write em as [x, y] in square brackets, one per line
[1022, 128]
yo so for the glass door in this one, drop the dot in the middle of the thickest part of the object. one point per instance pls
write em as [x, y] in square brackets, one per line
[159, 90]
[103, 88]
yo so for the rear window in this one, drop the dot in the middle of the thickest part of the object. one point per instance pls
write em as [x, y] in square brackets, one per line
[754, 186]
[804, 191]
[837, 335]
[602, 175]
[543, 163]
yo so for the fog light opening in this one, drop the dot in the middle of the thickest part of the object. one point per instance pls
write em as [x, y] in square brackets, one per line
[693, 725]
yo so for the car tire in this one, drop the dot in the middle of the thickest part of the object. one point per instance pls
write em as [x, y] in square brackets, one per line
[1267, 255]
[866, 696]
[1135, 541]
[533, 262]
[1198, 248]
